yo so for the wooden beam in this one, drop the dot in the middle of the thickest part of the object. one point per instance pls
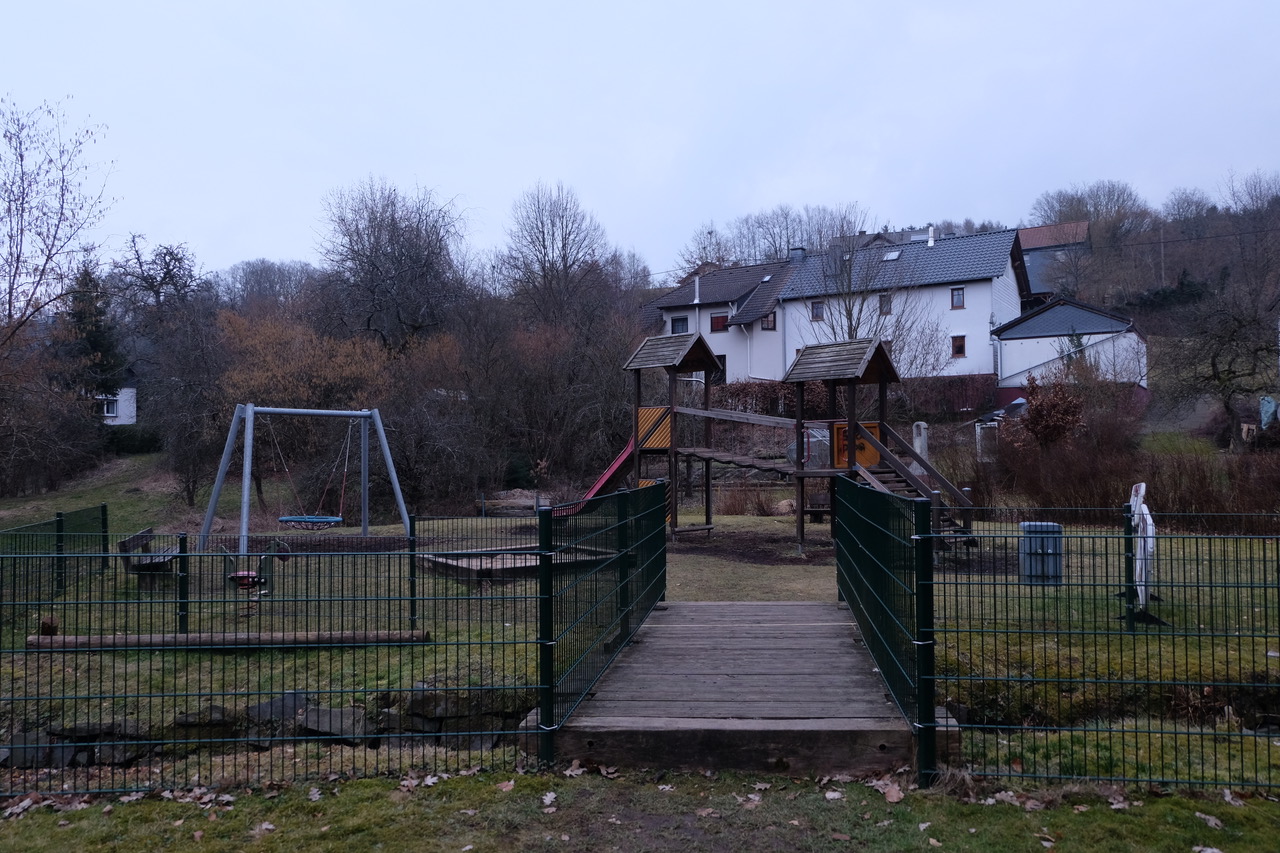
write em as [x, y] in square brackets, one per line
[229, 640]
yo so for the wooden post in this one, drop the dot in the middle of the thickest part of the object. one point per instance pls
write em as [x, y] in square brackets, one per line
[850, 417]
[635, 432]
[800, 465]
[673, 494]
[706, 442]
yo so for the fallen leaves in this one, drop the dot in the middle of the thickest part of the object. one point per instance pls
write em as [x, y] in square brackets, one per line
[506, 786]
[1211, 821]
[1231, 799]
[575, 769]
[892, 790]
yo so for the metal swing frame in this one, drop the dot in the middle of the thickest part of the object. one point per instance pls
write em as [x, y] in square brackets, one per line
[245, 413]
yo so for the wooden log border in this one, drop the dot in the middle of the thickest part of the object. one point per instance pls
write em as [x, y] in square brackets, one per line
[230, 640]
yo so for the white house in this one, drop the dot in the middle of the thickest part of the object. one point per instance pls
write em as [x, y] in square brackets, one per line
[941, 297]
[1044, 340]
[119, 409]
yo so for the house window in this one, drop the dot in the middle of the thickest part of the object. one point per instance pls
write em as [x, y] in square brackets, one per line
[957, 297]
[680, 325]
[817, 311]
[957, 346]
[769, 322]
[107, 406]
[886, 304]
[719, 322]
[720, 374]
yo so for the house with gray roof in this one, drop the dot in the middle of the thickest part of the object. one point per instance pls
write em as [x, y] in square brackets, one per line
[1045, 341]
[1055, 255]
[934, 300]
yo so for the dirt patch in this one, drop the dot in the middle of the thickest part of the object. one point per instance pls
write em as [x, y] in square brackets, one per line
[751, 547]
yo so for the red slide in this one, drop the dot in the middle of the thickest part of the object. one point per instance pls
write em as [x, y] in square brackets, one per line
[613, 472]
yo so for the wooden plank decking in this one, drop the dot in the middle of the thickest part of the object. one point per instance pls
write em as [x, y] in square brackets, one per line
[781, 686]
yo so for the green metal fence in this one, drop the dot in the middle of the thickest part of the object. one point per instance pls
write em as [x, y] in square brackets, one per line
[885, 576]
[318, 654]
[38, 561]
[1061, 655]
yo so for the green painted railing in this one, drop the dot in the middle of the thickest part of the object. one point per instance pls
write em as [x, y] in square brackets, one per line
[1059, 654]
[318, 653]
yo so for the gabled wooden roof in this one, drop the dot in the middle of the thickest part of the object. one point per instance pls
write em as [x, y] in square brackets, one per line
[681, 353]
[866, 360]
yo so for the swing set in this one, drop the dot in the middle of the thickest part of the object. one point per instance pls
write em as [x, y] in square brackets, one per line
[245, 415]
[316, 520]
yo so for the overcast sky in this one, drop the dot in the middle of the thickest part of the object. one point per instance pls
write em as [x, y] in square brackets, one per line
[226, 123]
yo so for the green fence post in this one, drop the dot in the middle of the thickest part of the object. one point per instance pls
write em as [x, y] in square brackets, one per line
[184, 583]
[1130, 587]
[626, 563]
[547, 721]
[413, 572]
[926, 721]
[105, 543]
[60, 549]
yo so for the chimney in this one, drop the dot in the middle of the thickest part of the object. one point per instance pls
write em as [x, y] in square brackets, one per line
[930, 235]
[697, 289]
[796, 255]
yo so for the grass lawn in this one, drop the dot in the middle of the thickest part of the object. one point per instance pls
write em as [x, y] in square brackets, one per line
[641, 810]
[743, 559]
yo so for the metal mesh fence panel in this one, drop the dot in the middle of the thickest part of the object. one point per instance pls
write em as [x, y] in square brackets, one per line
[305, 655]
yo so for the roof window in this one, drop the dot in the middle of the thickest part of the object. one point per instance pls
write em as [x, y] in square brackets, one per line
[893, 254]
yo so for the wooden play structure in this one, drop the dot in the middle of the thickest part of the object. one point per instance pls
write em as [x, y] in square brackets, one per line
[882, 458]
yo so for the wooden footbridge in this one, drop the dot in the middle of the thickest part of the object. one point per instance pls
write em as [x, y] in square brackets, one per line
[781, 687]
[773, 686]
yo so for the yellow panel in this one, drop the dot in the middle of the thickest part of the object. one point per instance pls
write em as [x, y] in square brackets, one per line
[644, 483]
[661, 438]
[864, 455]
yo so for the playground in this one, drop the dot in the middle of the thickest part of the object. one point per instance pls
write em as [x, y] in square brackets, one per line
[133, 657]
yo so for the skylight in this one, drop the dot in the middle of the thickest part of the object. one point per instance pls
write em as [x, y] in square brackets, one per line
[766, 278]
[893, 254]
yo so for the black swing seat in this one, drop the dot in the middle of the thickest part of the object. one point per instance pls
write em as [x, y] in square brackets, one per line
[310, 522]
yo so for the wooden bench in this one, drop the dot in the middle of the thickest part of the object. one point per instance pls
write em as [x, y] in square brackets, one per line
[819, 506]
[153, 568]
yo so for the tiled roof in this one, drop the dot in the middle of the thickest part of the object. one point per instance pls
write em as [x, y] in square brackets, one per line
[950, 259]
[721, 286]
[1063, 317]
[1062, 234]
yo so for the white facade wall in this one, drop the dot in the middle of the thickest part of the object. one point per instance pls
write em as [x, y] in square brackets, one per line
[754, 353]
[983, 301]
[126, 407]
[1119, 357]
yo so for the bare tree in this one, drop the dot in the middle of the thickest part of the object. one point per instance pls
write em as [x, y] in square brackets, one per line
[871, 296]
[553, 257]
[770, 234]
[389, 265]
[49, 204]
[1114, 208]
[266, 288]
